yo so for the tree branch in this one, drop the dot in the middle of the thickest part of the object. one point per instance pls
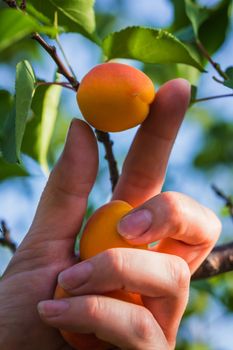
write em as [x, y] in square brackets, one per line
[211, 98]
[112, 164]
[23, 5]
[227, 199]
[53, 53]
[5, 240]
[220, 260]
[208, 57]
[51, 50]
[11, 3]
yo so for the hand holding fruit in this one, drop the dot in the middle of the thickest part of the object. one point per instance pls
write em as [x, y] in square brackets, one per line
[48, 247]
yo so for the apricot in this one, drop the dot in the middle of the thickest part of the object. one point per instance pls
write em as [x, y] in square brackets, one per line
[100, 233]
[115, 97]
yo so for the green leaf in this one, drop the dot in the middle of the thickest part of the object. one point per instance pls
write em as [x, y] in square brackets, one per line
[78, 19]
[212, 32]
[197, 14]
[193, 92]
[161, 73]
[9, 140]
[15, 124]
[40, 128]
[15, 25]
[180, 17]
[229, 72]
[24, 88]
[149, 46]
[229, 82]
[79, 11]
[105, 23]
[11, 170]
[5, 108]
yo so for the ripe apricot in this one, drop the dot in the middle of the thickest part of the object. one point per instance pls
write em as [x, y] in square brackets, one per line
[115, 97]
[100, 233]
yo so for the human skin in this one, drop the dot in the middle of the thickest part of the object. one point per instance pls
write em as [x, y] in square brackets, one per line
[185, 228]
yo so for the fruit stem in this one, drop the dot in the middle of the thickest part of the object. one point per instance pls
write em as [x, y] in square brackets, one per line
[112, 164]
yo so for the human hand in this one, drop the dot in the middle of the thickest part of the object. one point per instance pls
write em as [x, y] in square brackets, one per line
[48, 247]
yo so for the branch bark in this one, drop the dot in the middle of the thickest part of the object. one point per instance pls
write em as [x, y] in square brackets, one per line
[11, 3]
[208, 57]
[227, 199]
[112, 164]
[6, 240]
[220, 260]
[53, 53]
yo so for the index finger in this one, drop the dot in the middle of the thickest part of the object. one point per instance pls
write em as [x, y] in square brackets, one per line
[145, 166]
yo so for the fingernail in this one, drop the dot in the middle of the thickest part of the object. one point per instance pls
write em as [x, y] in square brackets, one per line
[52, 308]
[135, 224]
[76, 275]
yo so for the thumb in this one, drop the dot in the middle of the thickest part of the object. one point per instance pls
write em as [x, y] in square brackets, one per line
[63, 203]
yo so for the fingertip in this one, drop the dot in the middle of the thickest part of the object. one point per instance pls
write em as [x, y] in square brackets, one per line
[178, 90]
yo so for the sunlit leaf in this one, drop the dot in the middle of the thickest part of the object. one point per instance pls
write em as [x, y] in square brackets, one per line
[149, 46]
[73, 16]
[15, 25]
[24, 88]
[79, 11]
[39, 129]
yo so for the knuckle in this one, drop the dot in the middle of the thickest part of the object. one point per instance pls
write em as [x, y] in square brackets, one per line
[94, 307]
[144, 325]
[115, 258]
[180, 273]
[174, 211]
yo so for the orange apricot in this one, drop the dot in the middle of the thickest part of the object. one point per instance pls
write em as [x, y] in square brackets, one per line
[115, 97]
[100, 233]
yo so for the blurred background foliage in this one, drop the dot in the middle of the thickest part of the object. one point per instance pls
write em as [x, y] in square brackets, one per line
[203, 152]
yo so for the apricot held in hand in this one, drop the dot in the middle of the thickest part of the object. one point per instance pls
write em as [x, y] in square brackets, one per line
[99, 234]
[115, 97]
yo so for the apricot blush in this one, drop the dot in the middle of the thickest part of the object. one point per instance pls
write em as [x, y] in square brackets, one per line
[115, 97]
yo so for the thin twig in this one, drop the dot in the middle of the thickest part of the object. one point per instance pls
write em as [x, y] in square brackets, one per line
[219, 261]
[11, 3]
[65, 57]
[23, 5]
[227, 199]
[63, 84]
[112, 164]
[5, 240]
[211, 98]
[208, 57]
[60, 46]
[53, 53]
